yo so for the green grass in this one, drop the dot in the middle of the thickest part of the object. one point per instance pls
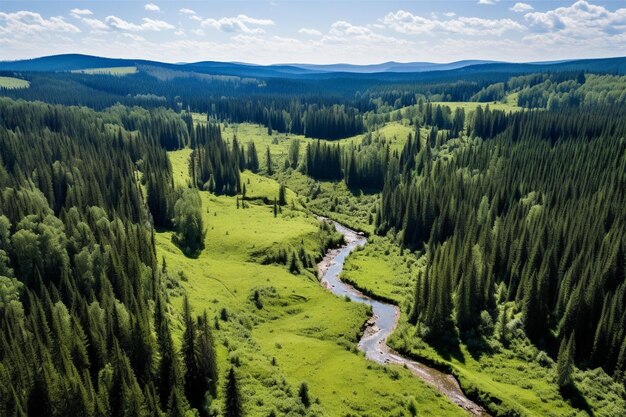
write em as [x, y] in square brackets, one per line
[117, 71]
[301, 333]
[180, 166]
[388, 276]
[509, 105]
[278, 142]
[336, 200]
[395, 132]
[11, 83]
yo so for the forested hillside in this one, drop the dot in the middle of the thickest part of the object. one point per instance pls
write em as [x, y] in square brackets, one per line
[315, 104]
[532, 213]
[85, 321]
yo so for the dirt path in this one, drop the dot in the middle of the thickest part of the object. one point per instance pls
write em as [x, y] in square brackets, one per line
[383, 322]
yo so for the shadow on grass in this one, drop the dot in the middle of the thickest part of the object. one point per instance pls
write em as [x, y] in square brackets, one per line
[573, 395]
[192, 253]
[448, 349]
[357, 191]
[477, 346]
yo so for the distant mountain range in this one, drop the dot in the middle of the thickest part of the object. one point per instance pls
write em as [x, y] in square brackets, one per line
[387, 70]
[391, 66]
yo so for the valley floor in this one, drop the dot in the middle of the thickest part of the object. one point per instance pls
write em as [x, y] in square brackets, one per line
[301, 333]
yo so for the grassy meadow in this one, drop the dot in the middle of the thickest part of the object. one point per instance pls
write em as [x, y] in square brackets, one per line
[299, 331]
[117, 71]
[508, 105]
[11, 83]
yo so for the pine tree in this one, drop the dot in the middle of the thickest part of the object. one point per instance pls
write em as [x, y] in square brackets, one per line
[177, 405]
[303, 393]
[269, 169]
[188, 221]
[252, 158]
[293, 155]
[207, 360]
[282, 195]
[189, 350]
[565, 362]
[232, 403]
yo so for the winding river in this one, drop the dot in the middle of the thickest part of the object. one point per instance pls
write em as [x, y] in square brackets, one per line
[382, 323]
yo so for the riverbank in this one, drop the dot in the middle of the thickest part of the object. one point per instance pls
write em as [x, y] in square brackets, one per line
[383, 322]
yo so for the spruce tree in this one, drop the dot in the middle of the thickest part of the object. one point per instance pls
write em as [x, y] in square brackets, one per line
[282, 195]
[232, 402]
[269, 169]
[303, 393]
[252, 158]
[565, 362]
[207, 359]
[189, 350]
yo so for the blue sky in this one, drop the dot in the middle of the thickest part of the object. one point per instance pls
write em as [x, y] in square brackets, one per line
[313, 31]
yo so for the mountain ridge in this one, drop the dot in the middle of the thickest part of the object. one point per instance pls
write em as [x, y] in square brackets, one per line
[399, 70]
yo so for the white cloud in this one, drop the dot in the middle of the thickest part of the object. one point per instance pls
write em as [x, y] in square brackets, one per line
[581, 28]
[345, 32]
[147, 25]
[521, 7]
[545, 21]
[241, 23]
[134, 37]
[95, 24]
[151, 7]
[310, 32]
[78, 13]
[408, 23]
[479, 26]
[581, 19]
[449, 14]
[24, 23]
[487, 1]
[186, 11]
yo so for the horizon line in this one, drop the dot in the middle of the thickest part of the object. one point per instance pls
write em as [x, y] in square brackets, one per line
[313, 64]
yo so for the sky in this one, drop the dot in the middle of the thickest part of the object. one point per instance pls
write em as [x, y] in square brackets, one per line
[313, 31]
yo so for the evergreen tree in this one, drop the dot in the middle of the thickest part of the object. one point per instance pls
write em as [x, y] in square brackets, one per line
[188, 222]
[252, 158]
[269, 169]
[303, 393]
[193, 380]
[207, 359]
[565, 362]
[293, 154]
[282, 195]
[232, 402]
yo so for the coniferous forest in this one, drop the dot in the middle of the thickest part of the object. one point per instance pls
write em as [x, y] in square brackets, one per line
[160, 240]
